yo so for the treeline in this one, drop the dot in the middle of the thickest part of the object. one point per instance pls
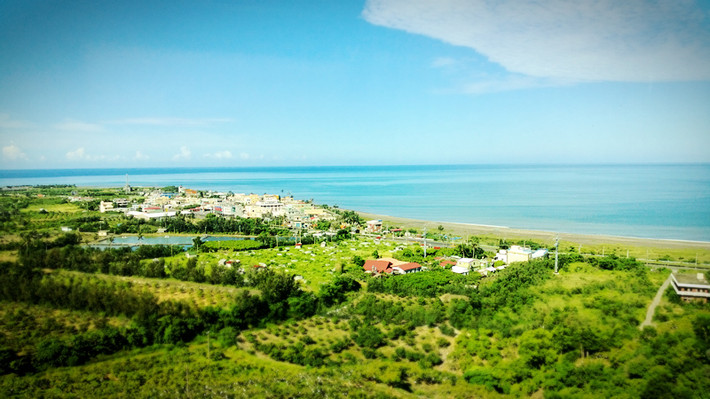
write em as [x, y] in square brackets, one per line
[428, 284]
[146, 261]
[217, 224]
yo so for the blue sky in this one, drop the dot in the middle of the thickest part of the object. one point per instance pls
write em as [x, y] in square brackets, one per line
[90, 84]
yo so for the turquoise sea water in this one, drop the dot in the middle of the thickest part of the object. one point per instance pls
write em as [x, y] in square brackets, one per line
[654, 201]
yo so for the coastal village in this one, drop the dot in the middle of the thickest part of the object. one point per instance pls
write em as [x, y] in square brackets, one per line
[301, 217]
[157, 204]
[304, 218]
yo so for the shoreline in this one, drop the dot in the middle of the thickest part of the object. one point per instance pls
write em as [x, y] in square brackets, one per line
[503, 232]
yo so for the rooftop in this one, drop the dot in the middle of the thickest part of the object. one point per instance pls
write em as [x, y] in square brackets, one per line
[694, 278]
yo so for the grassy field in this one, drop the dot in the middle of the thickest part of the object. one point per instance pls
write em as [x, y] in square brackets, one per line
[317, 265]
[22, 325]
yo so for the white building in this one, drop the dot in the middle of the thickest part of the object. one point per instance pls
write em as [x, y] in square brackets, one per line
[540, 253]
[373, 226]
[517, 253]
[105, 206]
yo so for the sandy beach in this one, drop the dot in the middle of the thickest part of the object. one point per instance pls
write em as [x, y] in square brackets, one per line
[464, 230]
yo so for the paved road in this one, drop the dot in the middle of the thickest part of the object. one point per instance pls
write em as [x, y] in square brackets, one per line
[656, 300]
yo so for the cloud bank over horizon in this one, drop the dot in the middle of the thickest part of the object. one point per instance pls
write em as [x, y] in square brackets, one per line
[562, 41]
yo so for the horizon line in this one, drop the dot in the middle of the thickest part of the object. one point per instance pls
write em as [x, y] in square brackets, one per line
[531, 164]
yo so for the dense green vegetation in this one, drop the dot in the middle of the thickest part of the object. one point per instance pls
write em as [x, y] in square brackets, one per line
[83, 322]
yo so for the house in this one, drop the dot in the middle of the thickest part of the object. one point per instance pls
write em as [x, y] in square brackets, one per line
[466, 263]
[105, 206]
[517, 253]
[391, 266]
[691, 287]
[378, 266]
[407, 268]
[540, 253]
[460, 270]
[393, 261]
[373, 226]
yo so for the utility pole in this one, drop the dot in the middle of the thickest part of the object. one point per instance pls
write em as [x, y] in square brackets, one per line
[425, 242]
[557, 251]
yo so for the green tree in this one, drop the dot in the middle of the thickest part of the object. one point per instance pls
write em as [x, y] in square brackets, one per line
[369, 336]
[536, 348]
[358, 261]
[334, 292]
[197, 243]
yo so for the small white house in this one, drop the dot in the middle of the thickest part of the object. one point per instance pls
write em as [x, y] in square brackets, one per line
[540, 253]
[460, 270]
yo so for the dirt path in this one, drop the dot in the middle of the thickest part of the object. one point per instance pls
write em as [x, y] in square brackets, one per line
[656, 300]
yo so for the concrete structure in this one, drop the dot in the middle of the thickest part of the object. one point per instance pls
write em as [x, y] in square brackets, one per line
[460, 270]
[540, 253]
[265, 207]
[150, 215]
[465, 263]
[517, 253]
[373, 226]
[691, 287]
[105, 206]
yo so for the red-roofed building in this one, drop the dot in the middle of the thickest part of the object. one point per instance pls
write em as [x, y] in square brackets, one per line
[378, 266]
[410, 267]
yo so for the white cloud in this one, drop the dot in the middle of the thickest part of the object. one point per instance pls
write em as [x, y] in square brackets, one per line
[13, 152]
[72, 125]
[220, 155]
[184, 154]
[245, 156]
[174, 122]
[80, 154]
[140, 156]
[6, 122]
[77, 154]
[509, 83]
[606, 40]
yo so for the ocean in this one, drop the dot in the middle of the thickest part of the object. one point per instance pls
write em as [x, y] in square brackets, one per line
[648, 201]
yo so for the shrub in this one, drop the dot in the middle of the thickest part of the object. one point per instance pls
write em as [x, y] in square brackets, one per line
[368, 337]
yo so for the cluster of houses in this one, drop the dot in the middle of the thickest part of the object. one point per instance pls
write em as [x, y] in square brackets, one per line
[459, 265]
[503, 258]
[158, 204]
